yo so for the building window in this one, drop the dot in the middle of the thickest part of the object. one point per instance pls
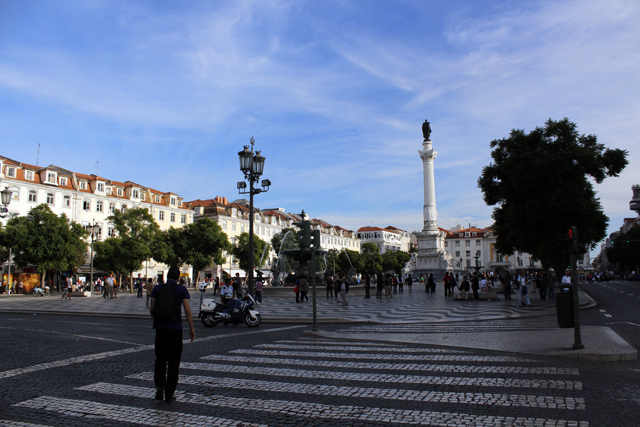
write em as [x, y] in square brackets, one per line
[457, 253]
[50, 199]
[173, 217]
[108, 191]
[233, 226]
[99, 206]
[532, 263]
[123, 209]
[242, 228]
[11, 172]
[83, 185]
[66, 202]
[468, 254]
[224, 225]
[457, 245]
[120, 192]
[136, 194]
[179, 203]
[86, 204]
[173, 201]
[161, 215]
[183, 219]
[110, 232]
[101, 187]
[468, 263]
[63, 181]
[157, 199]
[29, 175]
[144, 197]
[478, 242]
[112, 207]
[51, 177]
[467, 243]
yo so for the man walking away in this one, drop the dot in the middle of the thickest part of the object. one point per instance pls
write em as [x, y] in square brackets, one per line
[166, 301]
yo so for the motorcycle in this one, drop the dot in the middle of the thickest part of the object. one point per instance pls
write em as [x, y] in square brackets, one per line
[236, 311]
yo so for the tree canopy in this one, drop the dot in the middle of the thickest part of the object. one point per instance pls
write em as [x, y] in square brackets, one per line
[371, 258]
[46, 240]
[394, 260]
[240, 250]
[197, 244]
[540, 182]
[626, 249]
[137, 233]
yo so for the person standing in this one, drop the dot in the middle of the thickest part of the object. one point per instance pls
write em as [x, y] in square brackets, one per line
[542, 285]
[328, 281]
[409, 281]
[524, 291]
[367, 285]
[344, 288]
[226, 291]
[67, 288]
[475, 285]
[336, 286]
[304, 289]
[506, 279]
[109, 287]
[400, 284]
[216, 285]
[379, 285]
[168, 342]
[148, 287]
[551, 285]
[463, 289]
[259, 290]
[139, 285]
[296, 290]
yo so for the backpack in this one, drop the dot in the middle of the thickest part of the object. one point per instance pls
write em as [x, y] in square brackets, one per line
[166, 303]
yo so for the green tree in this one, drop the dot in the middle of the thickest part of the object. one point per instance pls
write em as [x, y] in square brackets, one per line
[46, 240]
[197, 244]
[108, 256]
[278, 241]
[540, 184]
[626, 249]
[348, 260]
[138, 233]
[241, 251]
[371, 258]
[394, 260]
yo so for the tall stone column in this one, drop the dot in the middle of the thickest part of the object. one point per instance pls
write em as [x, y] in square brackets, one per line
[429, 213]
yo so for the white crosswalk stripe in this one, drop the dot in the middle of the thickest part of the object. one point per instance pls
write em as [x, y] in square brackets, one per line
[397, 357]
[332, 412]
[531, 401]
[126, 414]
[400, 379]
[356, 348]
[399, 366]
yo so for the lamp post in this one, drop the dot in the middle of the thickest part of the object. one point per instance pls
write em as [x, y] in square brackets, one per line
[93, 229]
[5, 198]
[252, 166]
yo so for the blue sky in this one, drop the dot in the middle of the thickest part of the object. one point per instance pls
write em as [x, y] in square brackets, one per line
[165, 94]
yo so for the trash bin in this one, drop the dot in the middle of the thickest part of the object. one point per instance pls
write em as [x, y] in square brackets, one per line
[564, 305]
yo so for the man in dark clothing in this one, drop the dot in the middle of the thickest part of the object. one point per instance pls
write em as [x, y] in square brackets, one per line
[168, 344]
[507, 285]
[380, 285]
[475, 285]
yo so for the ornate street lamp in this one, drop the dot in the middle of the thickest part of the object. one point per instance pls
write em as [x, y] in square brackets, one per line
[5, 198]
[252, 166]
[93, 229]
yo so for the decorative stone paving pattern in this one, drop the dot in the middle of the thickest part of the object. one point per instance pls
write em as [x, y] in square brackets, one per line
[400, 366]
[354, 348]
[337, 412]
[517, 324]
[387, 378]
[7, 423]
[530, 401]
[356, 356]
[126, 414]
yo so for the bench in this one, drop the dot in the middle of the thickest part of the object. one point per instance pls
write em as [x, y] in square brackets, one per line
[482, 295]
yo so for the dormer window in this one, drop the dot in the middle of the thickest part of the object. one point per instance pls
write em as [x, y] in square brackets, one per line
[29, 175]
[63, 181]
[83, 185]
[179, 203]
[460, 234]
[11, 172]
[51, 178]
[136, 194]
[474, 234]
[173, 201]
[120, 192]
[108, 191]
[467, 234]
[144, 197]
[100, 187]
[157, 199]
